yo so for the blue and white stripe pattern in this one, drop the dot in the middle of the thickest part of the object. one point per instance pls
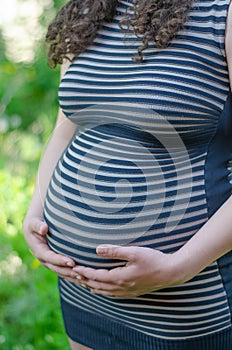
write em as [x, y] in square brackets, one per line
[147, 166]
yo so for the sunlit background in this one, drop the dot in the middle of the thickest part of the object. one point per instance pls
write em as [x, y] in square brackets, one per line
[21, 28]
[29, 307]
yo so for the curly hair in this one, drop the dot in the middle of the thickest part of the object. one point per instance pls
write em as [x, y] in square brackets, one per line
[76, 25]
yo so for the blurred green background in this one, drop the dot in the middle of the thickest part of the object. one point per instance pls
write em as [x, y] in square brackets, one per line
[29, 304]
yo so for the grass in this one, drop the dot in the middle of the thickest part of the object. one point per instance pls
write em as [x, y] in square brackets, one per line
[29, 301]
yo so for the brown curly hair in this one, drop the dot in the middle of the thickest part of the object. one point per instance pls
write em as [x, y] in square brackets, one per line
[76, 25]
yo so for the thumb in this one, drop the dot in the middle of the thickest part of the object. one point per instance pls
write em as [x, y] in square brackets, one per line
[38, 226]
[117, 251]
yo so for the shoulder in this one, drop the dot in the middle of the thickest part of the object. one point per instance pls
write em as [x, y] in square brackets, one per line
[65, 65]
[228, 42]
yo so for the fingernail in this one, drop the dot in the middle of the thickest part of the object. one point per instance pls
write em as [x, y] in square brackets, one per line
[69, 263]
[78, 278]
[41, 229]
[102, 250]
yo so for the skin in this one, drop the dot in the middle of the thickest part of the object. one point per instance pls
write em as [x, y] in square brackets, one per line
[163, 270]
[130, 280]
[76, 346]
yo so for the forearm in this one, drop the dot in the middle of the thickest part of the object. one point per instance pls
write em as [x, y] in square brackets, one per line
[212, 241]
[61, 137]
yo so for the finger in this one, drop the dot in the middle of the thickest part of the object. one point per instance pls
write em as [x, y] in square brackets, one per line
[38, 226]
[116, 294]
[42, 251]
[47, 256]
[66, 272]
[71, 280]
[114, 276]
[88, 273]
[103, 286]
[118, 252]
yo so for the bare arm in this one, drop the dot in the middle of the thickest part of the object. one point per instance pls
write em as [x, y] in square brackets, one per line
[212, 241]
[61, 136]
[34, 228]
[208, 245]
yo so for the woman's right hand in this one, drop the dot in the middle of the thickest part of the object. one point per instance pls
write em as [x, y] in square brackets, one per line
[35, 231]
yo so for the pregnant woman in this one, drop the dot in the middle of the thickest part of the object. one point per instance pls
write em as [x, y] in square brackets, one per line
[132, 207]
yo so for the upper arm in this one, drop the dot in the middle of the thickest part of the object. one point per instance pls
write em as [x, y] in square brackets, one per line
[228, 43]
[63, 124]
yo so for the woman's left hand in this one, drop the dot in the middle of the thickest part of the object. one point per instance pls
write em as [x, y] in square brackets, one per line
[145, 270]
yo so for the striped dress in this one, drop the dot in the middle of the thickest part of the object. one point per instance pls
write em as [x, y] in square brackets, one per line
[147, 166]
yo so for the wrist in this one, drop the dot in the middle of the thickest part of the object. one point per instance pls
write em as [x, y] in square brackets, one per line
[171, 269]
[180, 272]
[183, 268]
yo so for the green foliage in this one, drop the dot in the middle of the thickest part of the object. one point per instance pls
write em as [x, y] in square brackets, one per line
[29, 303]
[27, 91]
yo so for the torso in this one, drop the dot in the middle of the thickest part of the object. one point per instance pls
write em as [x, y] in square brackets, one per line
[148, 163]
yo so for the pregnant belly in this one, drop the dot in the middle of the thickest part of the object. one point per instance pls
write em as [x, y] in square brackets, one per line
[104, 195]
